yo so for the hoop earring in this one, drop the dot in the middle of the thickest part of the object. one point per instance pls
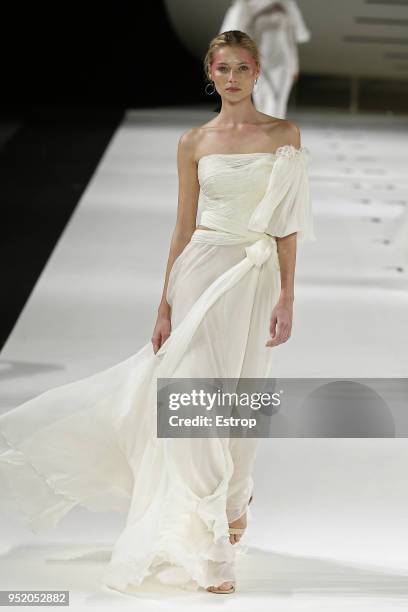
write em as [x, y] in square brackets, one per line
[211, 92]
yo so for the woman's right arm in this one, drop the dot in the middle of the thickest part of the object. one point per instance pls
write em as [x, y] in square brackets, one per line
[188, 192]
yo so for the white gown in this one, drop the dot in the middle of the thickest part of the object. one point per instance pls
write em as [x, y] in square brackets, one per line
[93, 442]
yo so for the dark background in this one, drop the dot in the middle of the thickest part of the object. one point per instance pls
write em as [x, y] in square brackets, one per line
[121, 54]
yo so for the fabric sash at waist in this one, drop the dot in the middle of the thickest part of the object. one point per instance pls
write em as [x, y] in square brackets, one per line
[262, 251]
[257, 251]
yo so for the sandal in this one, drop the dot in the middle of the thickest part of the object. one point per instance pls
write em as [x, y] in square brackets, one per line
[234, 530]
[221, 591]
[238, 530]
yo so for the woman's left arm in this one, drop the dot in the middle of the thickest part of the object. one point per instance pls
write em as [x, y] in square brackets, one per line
[280, 326]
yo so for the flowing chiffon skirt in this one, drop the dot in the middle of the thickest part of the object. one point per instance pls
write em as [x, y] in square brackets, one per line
[93, 442]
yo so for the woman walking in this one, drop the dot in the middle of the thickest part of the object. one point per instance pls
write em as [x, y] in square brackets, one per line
[227, 302]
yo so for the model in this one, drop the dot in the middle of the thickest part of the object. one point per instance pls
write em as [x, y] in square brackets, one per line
[227, 302]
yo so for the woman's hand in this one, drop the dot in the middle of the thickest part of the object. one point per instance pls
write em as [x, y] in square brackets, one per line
[161, 332]
[281, 322]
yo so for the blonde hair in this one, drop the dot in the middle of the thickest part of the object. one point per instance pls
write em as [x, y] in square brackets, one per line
[231, 38]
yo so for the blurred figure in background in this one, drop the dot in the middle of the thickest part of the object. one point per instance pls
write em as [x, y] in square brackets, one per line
[276, 28]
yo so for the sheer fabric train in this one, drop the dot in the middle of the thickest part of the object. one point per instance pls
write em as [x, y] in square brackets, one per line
[93, 442]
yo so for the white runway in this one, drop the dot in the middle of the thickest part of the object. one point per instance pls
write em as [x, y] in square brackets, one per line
[329, 521]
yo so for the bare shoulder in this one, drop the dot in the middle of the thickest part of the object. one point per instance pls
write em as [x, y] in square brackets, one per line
[197, 140]
[187, 145]
[289, 133]
[283, 132]
[292, 133]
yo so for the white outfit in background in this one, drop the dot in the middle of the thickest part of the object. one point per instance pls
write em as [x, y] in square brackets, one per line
[93, 442]
[276, 36]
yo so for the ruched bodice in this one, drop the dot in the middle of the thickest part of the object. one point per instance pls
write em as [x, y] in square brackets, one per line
[250, 193]
[231, 187]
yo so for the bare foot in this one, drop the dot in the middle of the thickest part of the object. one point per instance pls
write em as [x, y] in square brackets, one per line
[239, 523]
[224, 586]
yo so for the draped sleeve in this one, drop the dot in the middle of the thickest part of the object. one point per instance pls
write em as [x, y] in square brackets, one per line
[286, 206]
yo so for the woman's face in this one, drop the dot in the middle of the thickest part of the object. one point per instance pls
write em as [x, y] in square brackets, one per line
[233, 71]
